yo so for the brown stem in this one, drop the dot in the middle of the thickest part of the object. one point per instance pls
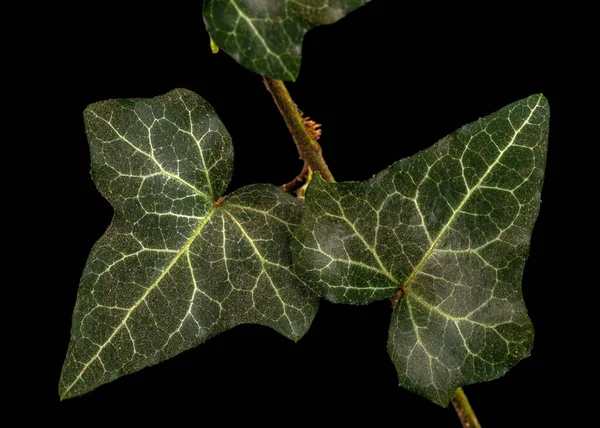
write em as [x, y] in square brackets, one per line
[308, 148]
[297, 182]
[395, 298]
[464, 410]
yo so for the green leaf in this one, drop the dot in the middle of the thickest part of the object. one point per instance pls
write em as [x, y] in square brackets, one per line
[449, 230]
[266, 36]
[178, 264]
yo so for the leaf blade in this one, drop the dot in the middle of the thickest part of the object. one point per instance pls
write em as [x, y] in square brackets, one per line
[266, 37]
[452, 226]
[153, 284]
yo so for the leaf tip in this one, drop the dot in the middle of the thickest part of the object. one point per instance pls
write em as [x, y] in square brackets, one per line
[62, 394]
[542, 98]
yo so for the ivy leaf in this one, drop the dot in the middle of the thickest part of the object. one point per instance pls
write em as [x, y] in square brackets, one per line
[178, 264]
[447, 230]
[266, 36]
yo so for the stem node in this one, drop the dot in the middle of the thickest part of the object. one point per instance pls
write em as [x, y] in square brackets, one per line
[304, 131]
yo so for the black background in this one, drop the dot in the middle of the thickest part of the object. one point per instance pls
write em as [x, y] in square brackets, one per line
[385, 82]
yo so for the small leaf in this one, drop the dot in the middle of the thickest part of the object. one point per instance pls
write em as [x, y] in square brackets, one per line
[179, 263]
[449, 229]
[266, 36]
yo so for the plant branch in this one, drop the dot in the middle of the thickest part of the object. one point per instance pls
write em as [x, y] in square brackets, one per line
[308, 147]
[464, 410]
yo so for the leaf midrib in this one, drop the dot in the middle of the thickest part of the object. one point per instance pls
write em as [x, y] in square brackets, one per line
[428, 253]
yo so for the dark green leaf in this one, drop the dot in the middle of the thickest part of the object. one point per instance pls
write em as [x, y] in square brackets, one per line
[178, 263]
[449, 228]
[266, 36]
